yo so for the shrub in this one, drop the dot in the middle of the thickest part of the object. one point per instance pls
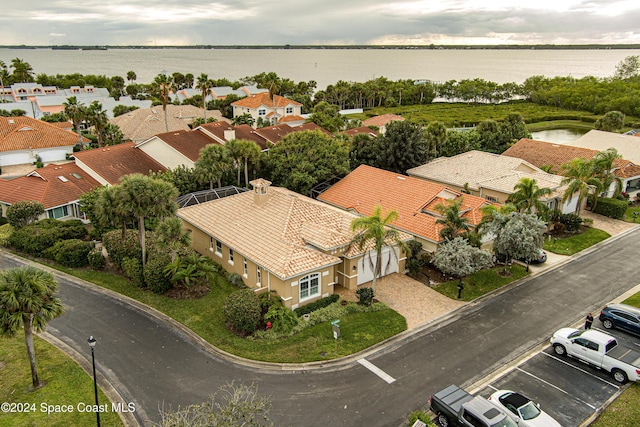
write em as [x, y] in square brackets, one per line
[242, 311]
[571, 221]
[282, 318]
[316, 305]
[365, 296]
[612, 208]
[24, 212]
[420, 415]
[236, 280]
[70, 253]
[132, 269]
[5, 232]
[37, 237]
[96, 259]
[154, 277]
[118, 249]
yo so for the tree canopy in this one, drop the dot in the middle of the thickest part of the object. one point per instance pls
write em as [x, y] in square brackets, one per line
[459, 259]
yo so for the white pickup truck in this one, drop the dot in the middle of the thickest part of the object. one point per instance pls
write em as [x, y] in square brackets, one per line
[600, 350]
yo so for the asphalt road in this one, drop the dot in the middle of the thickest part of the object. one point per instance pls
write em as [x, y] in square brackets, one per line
[154, 365]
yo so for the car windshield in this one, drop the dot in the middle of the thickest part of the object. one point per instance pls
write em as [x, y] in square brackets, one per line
[575, 334]
[529, 411]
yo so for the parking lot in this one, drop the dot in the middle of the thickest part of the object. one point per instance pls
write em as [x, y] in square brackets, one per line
[567, 389]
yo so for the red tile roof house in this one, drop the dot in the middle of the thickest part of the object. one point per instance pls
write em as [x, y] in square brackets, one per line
[542, 153]
[57, 187]
[381, 122]
[24, 138]
[108, 164]
[414, 200]
[262, 106]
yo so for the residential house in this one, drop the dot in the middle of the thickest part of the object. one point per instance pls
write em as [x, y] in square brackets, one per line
[108, 164]
[492, 177]
[547, 154]
[143, 123]
[627, 145]
[263, 107]
[278, 240]
[24, 140]
[361, 130]
[381, 122]
[414, 199]
[56, 187]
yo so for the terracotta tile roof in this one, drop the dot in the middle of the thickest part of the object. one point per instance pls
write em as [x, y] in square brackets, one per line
[25, 133]
[362, 129]
[382, 120]
[255, 101]
[281, 234]
[479, 170]
[414, 199]
[540, 153]
[187, 142]
[240, 132]
[44, 186]
[113, 162]
[275, 133]
[292, 118]
[312, 126]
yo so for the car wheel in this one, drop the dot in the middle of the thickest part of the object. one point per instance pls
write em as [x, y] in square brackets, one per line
[608, 324]
[619, 376]
[443, 420]
[559, 349]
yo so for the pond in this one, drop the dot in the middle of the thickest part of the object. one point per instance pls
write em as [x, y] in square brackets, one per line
[559, 136]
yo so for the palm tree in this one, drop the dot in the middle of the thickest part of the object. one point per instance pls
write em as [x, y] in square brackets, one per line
[97, 117]
[451, 220]
[374, 231]
[603, 169]
[212, 164]
[147, 197]
[235, 150]
[27, 301]
[205, 85]
[22, 71]
[171, 235]
[131, 76]
[76, 112]
[249, 152]
[578, 177]
[527, 195]
[163, 84]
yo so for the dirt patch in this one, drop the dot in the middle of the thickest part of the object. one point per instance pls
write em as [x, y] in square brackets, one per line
[429, 275]
[190, 292]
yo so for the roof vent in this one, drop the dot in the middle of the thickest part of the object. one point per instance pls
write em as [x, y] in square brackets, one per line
[401, 177]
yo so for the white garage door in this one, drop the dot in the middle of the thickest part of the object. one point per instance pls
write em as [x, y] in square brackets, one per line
[16, 158]
[366, 265]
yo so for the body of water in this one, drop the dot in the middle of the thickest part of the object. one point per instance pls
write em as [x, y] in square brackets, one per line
[558, 136]
[327, 66]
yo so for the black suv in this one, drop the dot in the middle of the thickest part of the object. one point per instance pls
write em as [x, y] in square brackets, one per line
[621, 316]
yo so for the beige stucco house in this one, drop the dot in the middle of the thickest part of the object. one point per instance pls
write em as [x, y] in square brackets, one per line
[271, 110]
[492, 177]
[279, 240]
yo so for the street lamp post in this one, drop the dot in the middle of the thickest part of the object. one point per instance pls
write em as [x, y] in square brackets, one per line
[92, 344]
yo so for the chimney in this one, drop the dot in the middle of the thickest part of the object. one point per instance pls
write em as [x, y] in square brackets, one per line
[260, 191]
[229, 134]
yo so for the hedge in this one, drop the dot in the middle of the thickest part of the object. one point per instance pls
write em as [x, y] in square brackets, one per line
[317, 305]
[613, 208]
[71, 253]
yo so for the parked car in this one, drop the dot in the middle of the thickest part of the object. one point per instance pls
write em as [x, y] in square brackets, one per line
[600, 350]
[621, 316]
[455, 407]
[522, 409]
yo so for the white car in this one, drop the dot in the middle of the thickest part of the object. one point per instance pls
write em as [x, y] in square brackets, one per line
[522, 409]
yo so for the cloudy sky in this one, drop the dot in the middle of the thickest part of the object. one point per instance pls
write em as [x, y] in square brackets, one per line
[260, 22]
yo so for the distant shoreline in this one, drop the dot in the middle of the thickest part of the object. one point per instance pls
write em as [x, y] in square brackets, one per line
[379, 47]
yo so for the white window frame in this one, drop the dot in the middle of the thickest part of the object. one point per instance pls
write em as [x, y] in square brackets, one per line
[289, 110]
[245, 271]
[258, 276]
[262, 112]
[306, 286]
[218, 248]
[231, 256]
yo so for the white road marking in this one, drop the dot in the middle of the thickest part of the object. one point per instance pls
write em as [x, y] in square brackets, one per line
[379, 372]
[582, 370]
[556, 387]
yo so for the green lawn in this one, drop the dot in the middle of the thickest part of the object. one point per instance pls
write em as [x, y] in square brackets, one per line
[629, 217]
[66, 384]
[204, 317]
[482, 282]
[573, 244]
